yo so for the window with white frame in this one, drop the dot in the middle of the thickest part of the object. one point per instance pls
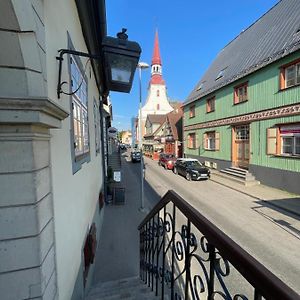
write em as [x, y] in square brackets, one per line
[290, 140]
[211, 140]
[80, 110]
[97, 127]
[292, 75]
[284, 140]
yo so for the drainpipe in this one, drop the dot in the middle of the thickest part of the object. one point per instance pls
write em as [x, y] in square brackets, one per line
[102, 150]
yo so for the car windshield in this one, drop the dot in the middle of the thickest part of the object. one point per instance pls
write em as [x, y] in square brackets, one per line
[193, 163]
[169, 156]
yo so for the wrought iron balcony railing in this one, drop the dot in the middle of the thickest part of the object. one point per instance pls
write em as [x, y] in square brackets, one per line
[184, 256]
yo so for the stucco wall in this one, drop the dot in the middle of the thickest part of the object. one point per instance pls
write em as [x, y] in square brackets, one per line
[153, 100]
[75, 195]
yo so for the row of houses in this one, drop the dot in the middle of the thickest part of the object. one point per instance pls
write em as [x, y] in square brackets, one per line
[164, 133]
[245, 111]
[243, 114]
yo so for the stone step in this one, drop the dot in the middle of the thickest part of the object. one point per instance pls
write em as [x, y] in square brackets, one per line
[226, 171]
[238, 170]
[246, 176]
[116, 284]
[237, 179]
[128, 288]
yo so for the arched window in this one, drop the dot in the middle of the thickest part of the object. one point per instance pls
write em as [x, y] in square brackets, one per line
[157, 106]
[157, 93]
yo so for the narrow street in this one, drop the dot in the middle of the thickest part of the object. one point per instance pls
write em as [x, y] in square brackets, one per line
[271, 235]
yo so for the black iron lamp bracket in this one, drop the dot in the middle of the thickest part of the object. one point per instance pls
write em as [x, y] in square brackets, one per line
[60, 59]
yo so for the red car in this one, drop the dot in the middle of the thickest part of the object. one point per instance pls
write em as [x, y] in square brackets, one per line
[167, 161]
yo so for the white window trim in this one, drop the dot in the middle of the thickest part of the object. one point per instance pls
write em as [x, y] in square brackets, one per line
[295, 75]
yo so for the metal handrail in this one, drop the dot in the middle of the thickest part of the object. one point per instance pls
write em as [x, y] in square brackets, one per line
[268, 285]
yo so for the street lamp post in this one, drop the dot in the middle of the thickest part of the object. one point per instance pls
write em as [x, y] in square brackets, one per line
[141, 66]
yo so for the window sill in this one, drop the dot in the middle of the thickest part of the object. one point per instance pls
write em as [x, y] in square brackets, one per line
[209, 149]
[237, 103]
[81, 156]
[192, 117]
[208, 112]
[286, 156]
[288, 88]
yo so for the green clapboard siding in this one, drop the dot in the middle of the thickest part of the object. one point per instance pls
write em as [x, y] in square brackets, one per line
[258, 132]
[225, 143]
[263, 93]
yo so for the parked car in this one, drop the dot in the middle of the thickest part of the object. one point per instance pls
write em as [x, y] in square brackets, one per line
[122, 146]
[167, 160]
[191, 169]
[136, 156]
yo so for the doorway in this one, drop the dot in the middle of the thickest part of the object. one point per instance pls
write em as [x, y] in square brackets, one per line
[240, 146]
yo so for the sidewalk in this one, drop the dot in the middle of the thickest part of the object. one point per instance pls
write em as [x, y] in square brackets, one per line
[274, 197]
[118, 252]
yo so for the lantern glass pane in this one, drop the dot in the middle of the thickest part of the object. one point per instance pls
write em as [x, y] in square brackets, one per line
[121, 68]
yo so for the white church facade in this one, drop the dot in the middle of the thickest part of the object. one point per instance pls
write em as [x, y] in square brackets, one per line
[157, 102]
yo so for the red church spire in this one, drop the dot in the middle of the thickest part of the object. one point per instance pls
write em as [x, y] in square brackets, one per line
[156, 69]
[156, 60]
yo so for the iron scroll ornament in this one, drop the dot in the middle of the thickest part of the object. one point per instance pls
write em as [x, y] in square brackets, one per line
[159, 239]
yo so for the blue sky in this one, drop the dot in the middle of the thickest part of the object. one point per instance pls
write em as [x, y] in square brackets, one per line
[191, 33]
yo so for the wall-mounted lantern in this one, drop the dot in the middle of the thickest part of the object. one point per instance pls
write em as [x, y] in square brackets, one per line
[120, 58]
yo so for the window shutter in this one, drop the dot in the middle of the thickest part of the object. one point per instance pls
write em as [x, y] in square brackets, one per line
[205, 141]
[271, 140]
[217, 141]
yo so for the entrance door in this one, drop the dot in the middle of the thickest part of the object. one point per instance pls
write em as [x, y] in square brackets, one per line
[241, 154]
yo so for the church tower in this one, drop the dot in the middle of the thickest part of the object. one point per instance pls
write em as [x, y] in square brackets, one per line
[157, 100]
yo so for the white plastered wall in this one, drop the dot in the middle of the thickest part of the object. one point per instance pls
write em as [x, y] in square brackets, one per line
[153, 100]
[75, 196]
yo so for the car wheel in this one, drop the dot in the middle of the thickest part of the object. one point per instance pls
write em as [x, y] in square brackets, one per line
[175, 170]
[188, 176]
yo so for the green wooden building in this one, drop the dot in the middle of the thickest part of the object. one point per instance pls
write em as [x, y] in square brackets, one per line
[245, 110]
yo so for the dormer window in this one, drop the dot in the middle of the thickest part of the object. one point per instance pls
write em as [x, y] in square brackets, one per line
[221, 74]
[200, 87]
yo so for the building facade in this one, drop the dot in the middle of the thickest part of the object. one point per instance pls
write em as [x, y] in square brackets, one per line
[157, 100]
[245, 111]
[126, 137]
[52, 164]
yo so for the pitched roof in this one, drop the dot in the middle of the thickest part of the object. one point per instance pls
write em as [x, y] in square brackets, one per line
[273, 36]
[176, 104]
[153, 118]
[173, 119]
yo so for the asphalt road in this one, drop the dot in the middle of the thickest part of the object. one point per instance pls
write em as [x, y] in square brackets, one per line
[269, 235]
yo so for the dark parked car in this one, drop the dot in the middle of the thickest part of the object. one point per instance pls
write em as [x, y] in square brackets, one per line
[167, 161]
[122, 146]
[191, 169]
[135, 156]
